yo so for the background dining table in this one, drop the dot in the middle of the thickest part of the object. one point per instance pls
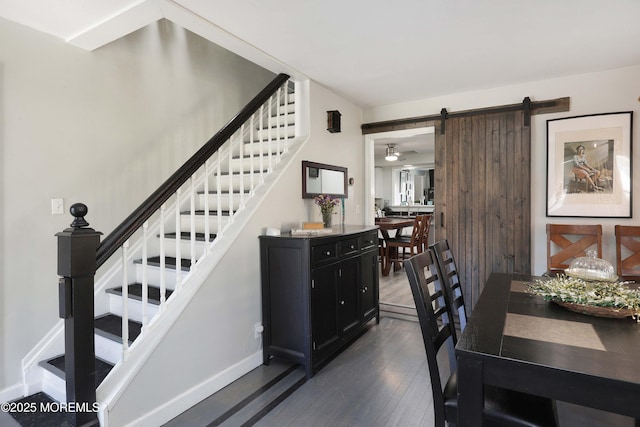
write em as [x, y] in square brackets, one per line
[517, 340]
[387, 224]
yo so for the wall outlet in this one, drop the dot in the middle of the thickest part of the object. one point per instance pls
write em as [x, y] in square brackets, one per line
[57, 206]
[258, 329]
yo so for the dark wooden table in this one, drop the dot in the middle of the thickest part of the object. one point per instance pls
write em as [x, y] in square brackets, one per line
[388, 224]
[518, 341]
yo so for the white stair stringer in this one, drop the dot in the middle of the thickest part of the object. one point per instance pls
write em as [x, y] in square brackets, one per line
[259, 176]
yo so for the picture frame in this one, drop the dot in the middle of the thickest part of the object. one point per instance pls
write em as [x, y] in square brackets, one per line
[589, 171]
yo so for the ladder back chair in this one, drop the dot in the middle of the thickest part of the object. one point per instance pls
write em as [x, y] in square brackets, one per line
[628, 252]
[501, 407]
[450, 280]
[565, 242]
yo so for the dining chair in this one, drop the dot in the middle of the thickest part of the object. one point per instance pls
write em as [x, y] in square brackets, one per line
[565, 242]
[501, 407]
[628, 252]
[396, 247]
[424, 235]
[450, 280]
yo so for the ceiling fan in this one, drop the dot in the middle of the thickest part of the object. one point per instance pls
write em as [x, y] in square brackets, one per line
[392, 154]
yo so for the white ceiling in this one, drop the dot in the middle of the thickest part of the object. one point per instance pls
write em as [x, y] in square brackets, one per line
[375, 52]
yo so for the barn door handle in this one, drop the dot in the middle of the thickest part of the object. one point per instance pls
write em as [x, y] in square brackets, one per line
[441, 219]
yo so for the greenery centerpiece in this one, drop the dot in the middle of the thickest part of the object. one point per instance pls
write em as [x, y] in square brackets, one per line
[594, 297]
[327, 204]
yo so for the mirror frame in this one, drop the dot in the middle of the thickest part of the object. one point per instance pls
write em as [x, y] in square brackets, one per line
[306, 164]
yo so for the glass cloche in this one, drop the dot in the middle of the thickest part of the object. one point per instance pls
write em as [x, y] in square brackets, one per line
[591, 267]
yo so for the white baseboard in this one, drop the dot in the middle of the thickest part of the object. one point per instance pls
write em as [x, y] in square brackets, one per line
[170, 409]
[11, 393]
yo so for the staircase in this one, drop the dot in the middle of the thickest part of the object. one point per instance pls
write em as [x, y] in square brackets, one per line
[156, 265]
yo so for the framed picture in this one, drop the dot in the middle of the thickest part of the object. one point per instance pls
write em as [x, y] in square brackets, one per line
[589, 166]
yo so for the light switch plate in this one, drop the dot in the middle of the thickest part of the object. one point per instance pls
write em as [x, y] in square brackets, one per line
[57, 206]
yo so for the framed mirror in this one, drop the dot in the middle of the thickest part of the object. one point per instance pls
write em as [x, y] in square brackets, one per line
[318, 178]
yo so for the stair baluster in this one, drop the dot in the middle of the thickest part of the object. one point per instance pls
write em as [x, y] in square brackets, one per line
[145, 274]
[178, 240]
[163, 270]
[125, 300]
[192, 235]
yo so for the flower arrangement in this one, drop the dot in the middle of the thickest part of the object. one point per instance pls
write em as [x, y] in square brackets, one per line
[566, 289]
[326, 203]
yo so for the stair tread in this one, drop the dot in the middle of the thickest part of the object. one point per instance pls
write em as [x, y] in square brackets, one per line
[56, 366]
[245, 172]
[111, 325]
[185, 235]
[170, 262]
[201, 212]
[225, 192]
[39, 401]
[135, 292]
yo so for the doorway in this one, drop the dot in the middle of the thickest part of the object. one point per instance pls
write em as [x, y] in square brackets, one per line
[399, 186]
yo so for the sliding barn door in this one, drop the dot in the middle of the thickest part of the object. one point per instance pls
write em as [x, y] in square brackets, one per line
[483, 196]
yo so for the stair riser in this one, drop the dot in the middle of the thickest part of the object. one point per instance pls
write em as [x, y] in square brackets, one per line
[107, 349]
[227, 184]
[287, 118]
[171, 250]
[288, 108]
[199, 221]
[134, 308]
[272, 134]
[153, 276]
[54, 386]
[245, 165]
[259, 148]
[225, 200]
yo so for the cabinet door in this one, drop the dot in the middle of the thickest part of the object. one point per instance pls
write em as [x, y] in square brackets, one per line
[324, 316]
[348, 289]
[368, 286]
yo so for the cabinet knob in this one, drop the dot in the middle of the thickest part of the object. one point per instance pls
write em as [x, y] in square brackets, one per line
[342, 302]
[353, 247]
[328, 253]
[365, 289]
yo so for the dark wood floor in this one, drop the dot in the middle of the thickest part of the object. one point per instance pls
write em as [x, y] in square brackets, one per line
[382, 379]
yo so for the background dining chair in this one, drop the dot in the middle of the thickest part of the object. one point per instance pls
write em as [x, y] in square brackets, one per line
[501, 406]
[565, 242]
[424, 235]
[450, 280]
[628, 252]
[396, 247]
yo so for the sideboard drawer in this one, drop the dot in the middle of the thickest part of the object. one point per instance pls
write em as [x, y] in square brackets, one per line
[349, 246]
[324, 253]
[368, 241]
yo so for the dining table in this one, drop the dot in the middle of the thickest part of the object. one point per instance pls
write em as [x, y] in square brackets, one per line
[387, 224]
[517, 340]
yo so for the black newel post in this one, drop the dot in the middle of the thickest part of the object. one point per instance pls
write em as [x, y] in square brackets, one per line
[77, 265]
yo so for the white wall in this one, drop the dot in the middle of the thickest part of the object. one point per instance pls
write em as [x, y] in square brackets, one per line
[105, 128]
[611, 91]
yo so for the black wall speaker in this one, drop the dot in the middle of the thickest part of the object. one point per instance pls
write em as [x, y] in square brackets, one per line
[333, 121]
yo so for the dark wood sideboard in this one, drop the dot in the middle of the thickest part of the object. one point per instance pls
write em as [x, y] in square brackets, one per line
[318, 292]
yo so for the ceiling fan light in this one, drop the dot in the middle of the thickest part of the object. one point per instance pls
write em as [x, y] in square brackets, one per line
[392, 155]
